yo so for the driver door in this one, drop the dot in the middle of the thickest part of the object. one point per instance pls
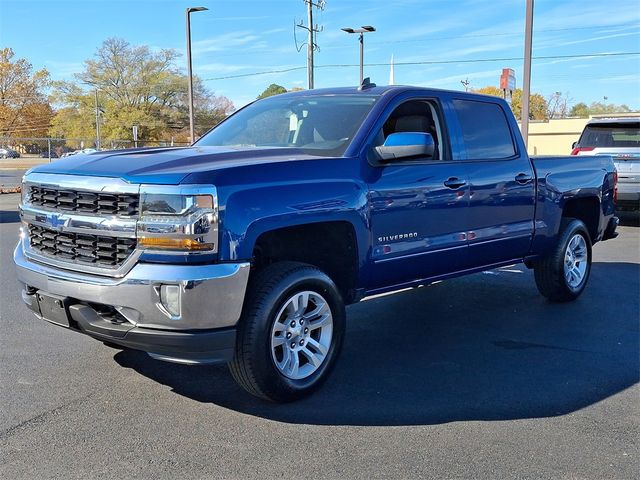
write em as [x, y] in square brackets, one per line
[418, 206]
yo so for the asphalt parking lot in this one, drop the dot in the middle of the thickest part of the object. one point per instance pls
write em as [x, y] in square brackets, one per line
[11, 177]
[476, 377]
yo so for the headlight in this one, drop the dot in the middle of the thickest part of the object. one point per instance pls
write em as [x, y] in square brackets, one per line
[24, 190]
[182, 219]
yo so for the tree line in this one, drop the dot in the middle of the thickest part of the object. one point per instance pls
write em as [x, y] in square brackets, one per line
[557, 105]
[133, 85]
[125, 85]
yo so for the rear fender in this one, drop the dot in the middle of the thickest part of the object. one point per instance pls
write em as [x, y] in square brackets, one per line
[556, 190]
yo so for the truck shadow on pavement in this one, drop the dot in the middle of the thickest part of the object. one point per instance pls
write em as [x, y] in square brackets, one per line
[629, 218]
[485, 347]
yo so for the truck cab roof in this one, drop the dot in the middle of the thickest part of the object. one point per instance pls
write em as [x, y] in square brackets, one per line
[384, 90]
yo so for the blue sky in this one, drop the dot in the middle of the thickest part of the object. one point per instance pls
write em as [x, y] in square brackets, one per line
[246, 37]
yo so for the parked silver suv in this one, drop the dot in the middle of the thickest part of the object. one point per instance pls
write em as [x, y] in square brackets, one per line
[620, 138]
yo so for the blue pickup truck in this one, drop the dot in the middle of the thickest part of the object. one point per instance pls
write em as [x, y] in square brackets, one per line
[245, 247]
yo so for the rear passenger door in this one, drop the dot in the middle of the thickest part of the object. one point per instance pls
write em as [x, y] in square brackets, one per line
[501, 183]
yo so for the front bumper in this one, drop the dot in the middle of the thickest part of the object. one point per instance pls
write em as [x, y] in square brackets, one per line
[128, 311]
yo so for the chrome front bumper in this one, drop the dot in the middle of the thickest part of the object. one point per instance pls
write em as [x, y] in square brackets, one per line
[211, 296]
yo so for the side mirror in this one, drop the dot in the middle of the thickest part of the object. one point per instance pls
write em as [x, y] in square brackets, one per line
[573, 145]
[406, 145]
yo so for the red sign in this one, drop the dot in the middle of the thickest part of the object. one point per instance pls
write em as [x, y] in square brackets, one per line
[508, 79]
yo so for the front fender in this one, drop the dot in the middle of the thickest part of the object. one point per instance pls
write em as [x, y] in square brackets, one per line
[250, 212]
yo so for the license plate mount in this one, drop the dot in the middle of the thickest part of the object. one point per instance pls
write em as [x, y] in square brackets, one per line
[53, 309]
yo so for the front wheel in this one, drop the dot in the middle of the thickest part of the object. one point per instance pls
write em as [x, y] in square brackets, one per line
[290, 333]
[563, 274]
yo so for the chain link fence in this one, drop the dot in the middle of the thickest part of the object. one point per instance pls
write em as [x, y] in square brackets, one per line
[50, 147]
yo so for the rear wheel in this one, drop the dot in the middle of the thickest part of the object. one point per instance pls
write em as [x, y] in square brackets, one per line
[290, 333]
[563, 274]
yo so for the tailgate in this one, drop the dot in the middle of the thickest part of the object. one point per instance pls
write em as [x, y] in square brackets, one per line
[628, 166]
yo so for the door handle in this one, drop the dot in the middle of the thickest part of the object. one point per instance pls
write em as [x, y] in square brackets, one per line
[523, 178]
[454, 182]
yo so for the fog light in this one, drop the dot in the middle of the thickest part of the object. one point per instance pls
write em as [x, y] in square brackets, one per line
[170, 299]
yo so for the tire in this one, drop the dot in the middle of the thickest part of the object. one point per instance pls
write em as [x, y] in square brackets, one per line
[267, 344]
[560, 276]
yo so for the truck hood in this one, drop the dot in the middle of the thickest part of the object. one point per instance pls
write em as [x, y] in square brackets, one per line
[167, 166]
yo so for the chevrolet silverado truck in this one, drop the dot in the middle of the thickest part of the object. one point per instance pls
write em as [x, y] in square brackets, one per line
[245, 247]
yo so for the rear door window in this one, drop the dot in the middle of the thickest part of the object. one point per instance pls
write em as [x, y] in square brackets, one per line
[603, 135]
[485, 130]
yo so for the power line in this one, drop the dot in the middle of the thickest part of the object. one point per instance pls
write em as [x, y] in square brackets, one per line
[284, 70]
[43, 98]
[29, 123]
[26, 129]
[503, 34]
[481, 60]
[253, 51]
[40, 117]
[428, 62]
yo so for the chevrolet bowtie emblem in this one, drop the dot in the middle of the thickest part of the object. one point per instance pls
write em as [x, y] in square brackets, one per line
[51, 219]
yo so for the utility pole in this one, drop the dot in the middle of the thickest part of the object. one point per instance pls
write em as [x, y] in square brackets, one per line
[526, 84]
[310, 45]
[465, 83]
[311, 31]
[97, 120]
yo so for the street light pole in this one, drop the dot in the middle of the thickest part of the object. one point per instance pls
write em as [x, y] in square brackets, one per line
[97, 120]
[361, 31]
[361, 39]
[189, 69]
[526, 84]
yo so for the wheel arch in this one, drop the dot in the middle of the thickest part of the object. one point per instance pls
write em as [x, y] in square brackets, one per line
[332, 246]
[587, 210]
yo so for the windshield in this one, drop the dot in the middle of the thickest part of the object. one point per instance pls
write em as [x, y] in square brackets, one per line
[319, 125]
[619, 135]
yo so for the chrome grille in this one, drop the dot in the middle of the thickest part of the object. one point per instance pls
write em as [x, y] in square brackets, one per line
[99, 203]
[95, 250]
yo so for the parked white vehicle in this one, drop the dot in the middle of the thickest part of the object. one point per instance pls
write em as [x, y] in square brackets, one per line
[620, 138]
[76, 152]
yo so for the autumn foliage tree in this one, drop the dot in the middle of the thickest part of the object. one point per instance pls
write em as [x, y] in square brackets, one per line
[273, 89]
[595, 108]
[537, 103]
[24, 108]
[135, 86]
